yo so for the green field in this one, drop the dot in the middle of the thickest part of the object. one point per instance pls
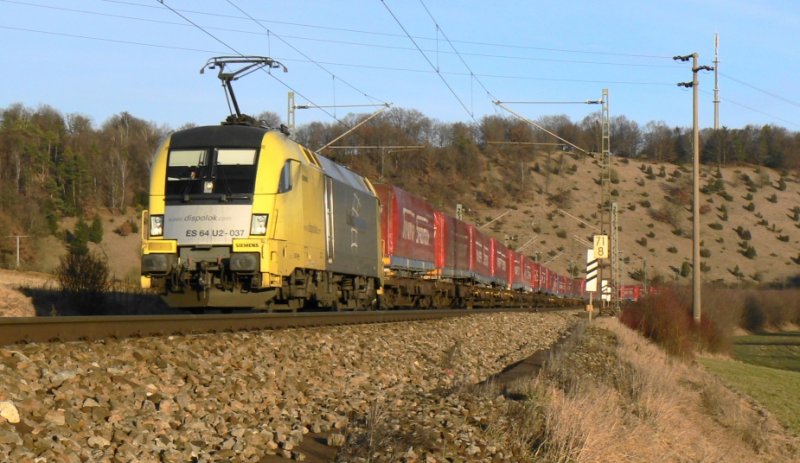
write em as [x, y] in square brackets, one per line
[768, 370]
[778, 350]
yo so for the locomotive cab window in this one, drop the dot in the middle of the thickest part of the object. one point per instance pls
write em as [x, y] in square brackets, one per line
[211, 174]
[235, 171]
[184, 168]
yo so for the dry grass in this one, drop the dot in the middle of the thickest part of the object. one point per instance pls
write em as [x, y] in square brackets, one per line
[537, 216]
[632, 402]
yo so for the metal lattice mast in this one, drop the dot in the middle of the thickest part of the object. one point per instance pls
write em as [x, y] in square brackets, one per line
[605, 172]
[290, 112]
[716, 81]
[615, 270]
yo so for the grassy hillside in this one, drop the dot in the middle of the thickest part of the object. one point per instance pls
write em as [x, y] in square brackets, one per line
[549, 207]
[750, 218]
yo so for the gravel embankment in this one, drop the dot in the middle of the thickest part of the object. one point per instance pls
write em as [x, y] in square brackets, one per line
[244, 396]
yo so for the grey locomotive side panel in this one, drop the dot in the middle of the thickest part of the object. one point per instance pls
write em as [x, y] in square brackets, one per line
[354, 219]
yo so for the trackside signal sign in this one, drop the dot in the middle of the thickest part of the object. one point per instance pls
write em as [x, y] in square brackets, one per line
[601, 246]
[591, 271]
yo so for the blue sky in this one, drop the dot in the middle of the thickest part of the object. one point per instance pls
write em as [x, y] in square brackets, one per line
[101, 57]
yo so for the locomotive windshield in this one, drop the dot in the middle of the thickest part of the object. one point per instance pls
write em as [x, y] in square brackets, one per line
[211, 174]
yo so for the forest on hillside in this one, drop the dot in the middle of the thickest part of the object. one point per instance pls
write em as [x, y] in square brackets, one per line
[54, 166]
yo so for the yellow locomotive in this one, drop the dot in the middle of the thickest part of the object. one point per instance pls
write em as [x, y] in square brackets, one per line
[242, 216]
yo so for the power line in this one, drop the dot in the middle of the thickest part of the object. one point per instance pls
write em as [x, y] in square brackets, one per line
[328, 63]
[269, 33]
[472, 74]
[105, 39]
[775, 95]
[163, 2]
[435, 68]
[750, 108]
[765, 92]
[388, 34]
[301, 53]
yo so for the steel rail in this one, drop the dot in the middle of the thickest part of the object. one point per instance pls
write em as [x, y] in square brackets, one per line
[15, 330]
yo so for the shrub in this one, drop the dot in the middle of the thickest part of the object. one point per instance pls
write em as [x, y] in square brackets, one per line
[749, 252]
[672, 249]
[665, 318]
[743, 233]
[753, 318]
[562, 198]
[686, 269]
[95, 231]
[642, 241]
[750, 207]
[561, 233]
[726, 196]
[715, 226]
[83, 272]
[705, 252]
[773, 198]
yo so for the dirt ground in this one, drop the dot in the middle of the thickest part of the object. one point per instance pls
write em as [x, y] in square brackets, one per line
[13, 302]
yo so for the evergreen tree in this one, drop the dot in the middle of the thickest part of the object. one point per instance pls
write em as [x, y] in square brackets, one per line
[95, 234]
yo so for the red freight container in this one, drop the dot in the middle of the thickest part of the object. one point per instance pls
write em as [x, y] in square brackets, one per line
[512, 268]
[530, 274]
[520, 279]
[552, 284]
[536, 277]
[441, 239]
[452, 246]
[630, 292]
[500, 270]
[563, 285]
[481, 260]
[407, 227]
[579, 287]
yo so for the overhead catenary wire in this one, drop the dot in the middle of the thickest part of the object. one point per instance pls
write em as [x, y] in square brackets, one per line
[389, 34]
[328, 63]
[316, 63]
[163, 2]
[461, 58]
[778, 95]
[397, 20]
[765, 92]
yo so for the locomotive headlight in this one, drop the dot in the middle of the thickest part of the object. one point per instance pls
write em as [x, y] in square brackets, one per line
[156, 225]
[258, 226]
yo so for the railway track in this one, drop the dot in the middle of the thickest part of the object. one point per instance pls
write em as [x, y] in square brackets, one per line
[16, 330]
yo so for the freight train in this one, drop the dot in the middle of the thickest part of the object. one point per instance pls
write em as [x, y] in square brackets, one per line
[240, 215]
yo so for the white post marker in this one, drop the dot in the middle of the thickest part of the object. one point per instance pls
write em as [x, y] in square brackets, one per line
[591, 278]
[605, 290]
